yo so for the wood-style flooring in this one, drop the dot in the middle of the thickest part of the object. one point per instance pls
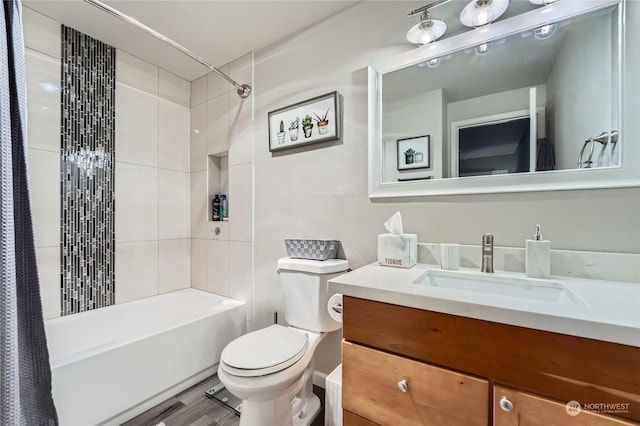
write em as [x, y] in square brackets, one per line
[193, 408]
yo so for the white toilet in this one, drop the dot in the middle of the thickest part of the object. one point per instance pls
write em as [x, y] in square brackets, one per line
[271, 369]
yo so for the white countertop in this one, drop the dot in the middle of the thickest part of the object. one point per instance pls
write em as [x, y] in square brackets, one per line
[608, 310]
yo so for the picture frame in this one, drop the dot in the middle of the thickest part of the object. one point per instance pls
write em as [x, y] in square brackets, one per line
[414, 153]
[311, 121]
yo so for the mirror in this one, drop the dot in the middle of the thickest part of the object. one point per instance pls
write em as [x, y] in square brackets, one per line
[533, 102]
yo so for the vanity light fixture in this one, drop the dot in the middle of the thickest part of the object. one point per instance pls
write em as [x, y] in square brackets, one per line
[482, 12]
[427, 31]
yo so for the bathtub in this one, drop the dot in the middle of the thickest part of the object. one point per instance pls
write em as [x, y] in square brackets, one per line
[111, 364]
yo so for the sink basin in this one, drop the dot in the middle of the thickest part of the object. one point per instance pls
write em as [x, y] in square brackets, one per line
[504, 285]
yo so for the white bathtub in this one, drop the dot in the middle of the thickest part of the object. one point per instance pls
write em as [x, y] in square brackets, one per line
[111, 364]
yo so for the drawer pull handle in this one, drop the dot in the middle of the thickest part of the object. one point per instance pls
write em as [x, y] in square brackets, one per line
[403, 386]
[505, 404]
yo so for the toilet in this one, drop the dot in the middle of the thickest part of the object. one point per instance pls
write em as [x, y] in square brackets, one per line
[271, 369]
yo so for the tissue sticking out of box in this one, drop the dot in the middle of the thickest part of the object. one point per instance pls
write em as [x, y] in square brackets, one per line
[394, 224]
[396, 248]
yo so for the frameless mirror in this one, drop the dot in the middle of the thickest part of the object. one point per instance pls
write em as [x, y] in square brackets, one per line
[534, 102]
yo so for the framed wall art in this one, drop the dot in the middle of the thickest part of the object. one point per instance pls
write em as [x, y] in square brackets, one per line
[311, 121]
[413, 153]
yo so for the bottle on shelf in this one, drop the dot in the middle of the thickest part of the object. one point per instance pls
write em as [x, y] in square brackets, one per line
[215, 208]
[224, 207]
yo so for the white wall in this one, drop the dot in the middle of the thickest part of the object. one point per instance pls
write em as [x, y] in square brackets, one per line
[417, 115]
[152, 170]
[222, 162]
[321, 190]
[585, 60]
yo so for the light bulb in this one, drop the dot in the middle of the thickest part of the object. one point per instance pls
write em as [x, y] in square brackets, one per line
[434, 62]
[483, 48]
[545, 31]
[426, 37]
[483, 17]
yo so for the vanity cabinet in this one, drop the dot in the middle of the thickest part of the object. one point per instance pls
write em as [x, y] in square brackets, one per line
[454, 368]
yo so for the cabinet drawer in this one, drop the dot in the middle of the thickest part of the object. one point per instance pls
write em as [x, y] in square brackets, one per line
[350, 419]
[524, 409]
[433, 396]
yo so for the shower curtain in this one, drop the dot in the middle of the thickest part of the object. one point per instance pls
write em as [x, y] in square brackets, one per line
[25, 375]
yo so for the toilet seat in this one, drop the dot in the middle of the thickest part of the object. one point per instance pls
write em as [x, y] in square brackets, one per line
[265, 351]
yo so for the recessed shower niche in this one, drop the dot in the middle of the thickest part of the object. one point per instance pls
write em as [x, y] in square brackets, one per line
[217, 178]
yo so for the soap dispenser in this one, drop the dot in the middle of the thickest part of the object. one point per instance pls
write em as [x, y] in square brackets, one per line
[538, 256]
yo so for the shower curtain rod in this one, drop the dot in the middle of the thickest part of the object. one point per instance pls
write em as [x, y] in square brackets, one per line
[244, 90]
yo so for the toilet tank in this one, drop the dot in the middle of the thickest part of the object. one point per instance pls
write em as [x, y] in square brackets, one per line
[305, 291]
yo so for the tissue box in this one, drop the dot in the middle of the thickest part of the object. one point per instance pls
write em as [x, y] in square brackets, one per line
[399, 250]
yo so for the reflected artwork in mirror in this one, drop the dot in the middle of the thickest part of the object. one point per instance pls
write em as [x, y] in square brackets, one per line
[527, 103]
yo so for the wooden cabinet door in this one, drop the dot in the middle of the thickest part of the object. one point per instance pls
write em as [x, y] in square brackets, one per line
[350, 419]
[523, 409]
[392, 390]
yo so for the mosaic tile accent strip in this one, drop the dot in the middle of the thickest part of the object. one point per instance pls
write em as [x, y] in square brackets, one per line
[87, 172]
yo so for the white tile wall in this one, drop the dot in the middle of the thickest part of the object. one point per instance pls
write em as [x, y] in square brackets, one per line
[198, 134]
[199, 264]
[136, 73]
[199, 91]
[173, 207]
[174, 136]
[44, 176]
[43, 101]
[218, 230]
[136, 126]
[241, 202]
[240, 274]
[42, 61]
[41, 33]
[240, 138]
[198, 204]
[174, 88]
[217, 85]
[241, 70]
[174, 265]
[218, 125]
[48, 260]
[240, 114]
[227, 262]
[218, 267]
[152, 178]
[136, 270]
[136, 198]
[152, 131]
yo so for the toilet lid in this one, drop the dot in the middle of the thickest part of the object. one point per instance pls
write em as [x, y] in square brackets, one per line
[265, 351]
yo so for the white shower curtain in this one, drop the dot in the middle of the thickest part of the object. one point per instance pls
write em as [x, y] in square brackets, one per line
[25, 375]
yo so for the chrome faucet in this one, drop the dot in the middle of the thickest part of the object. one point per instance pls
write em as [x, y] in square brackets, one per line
[487, 253]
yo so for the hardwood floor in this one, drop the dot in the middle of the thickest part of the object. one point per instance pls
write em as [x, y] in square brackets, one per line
[193, 408]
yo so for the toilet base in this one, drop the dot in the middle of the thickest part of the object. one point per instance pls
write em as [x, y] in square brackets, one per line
[297, 413]
[311, 410]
